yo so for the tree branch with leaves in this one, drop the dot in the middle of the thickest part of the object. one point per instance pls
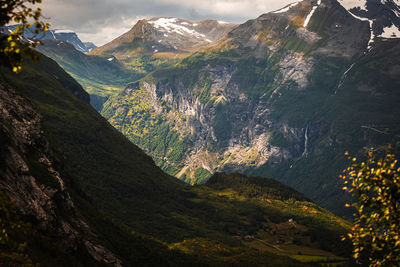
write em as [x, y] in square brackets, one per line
[13, 46]
[375, 185]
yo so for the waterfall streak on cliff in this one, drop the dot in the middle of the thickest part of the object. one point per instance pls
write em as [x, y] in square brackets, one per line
[344, 77]
[305, 153]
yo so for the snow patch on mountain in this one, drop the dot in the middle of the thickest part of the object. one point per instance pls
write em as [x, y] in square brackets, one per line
[63, 31]
[89, 46]
[311, 13]
[394, 6]
[52, 34]
[79, 47]
[390, 32]
[285, 9]
[396, 10]
[171, 25]
[350, 4]
[397, 13]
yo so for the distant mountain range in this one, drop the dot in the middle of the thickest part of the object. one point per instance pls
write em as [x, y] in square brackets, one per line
[59, 35]
[151, 44]
[165, 36]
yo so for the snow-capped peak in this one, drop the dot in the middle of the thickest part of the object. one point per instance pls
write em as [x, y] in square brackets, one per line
[172, 25]
[63, 31]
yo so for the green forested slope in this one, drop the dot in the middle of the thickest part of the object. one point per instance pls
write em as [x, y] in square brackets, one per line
[99, 76]
[149, 218]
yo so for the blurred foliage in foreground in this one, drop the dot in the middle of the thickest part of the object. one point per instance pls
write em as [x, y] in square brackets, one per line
[375, 184]
[13, 46]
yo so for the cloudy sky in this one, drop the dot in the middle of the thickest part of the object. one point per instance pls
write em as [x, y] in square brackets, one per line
[100, 21]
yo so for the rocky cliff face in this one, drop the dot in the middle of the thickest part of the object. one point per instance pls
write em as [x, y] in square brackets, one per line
[226, 128]
[279, 95]
[31, 176]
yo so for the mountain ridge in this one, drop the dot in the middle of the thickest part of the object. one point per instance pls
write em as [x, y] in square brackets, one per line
[136, 211]
[99, 76]
[264, 76]
[150, 44]
[165, 35]
[270, 98]
[68, 36]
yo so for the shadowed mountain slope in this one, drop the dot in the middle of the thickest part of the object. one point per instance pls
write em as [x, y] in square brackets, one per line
[122, 207]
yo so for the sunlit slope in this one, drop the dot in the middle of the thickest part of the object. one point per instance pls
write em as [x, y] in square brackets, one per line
[147, 217]
[283, 95]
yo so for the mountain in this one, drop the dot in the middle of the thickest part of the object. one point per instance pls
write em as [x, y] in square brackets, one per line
[383, 16]
[58, 35]
[100, 77]
[283, 95]
[151, 44]
[162, 41]
[91, 197]
[89, 46]
[165, 36]
[31, 176]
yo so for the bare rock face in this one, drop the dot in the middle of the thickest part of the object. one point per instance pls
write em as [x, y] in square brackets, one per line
[296, 68]
[249, 126]
[29, 175]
